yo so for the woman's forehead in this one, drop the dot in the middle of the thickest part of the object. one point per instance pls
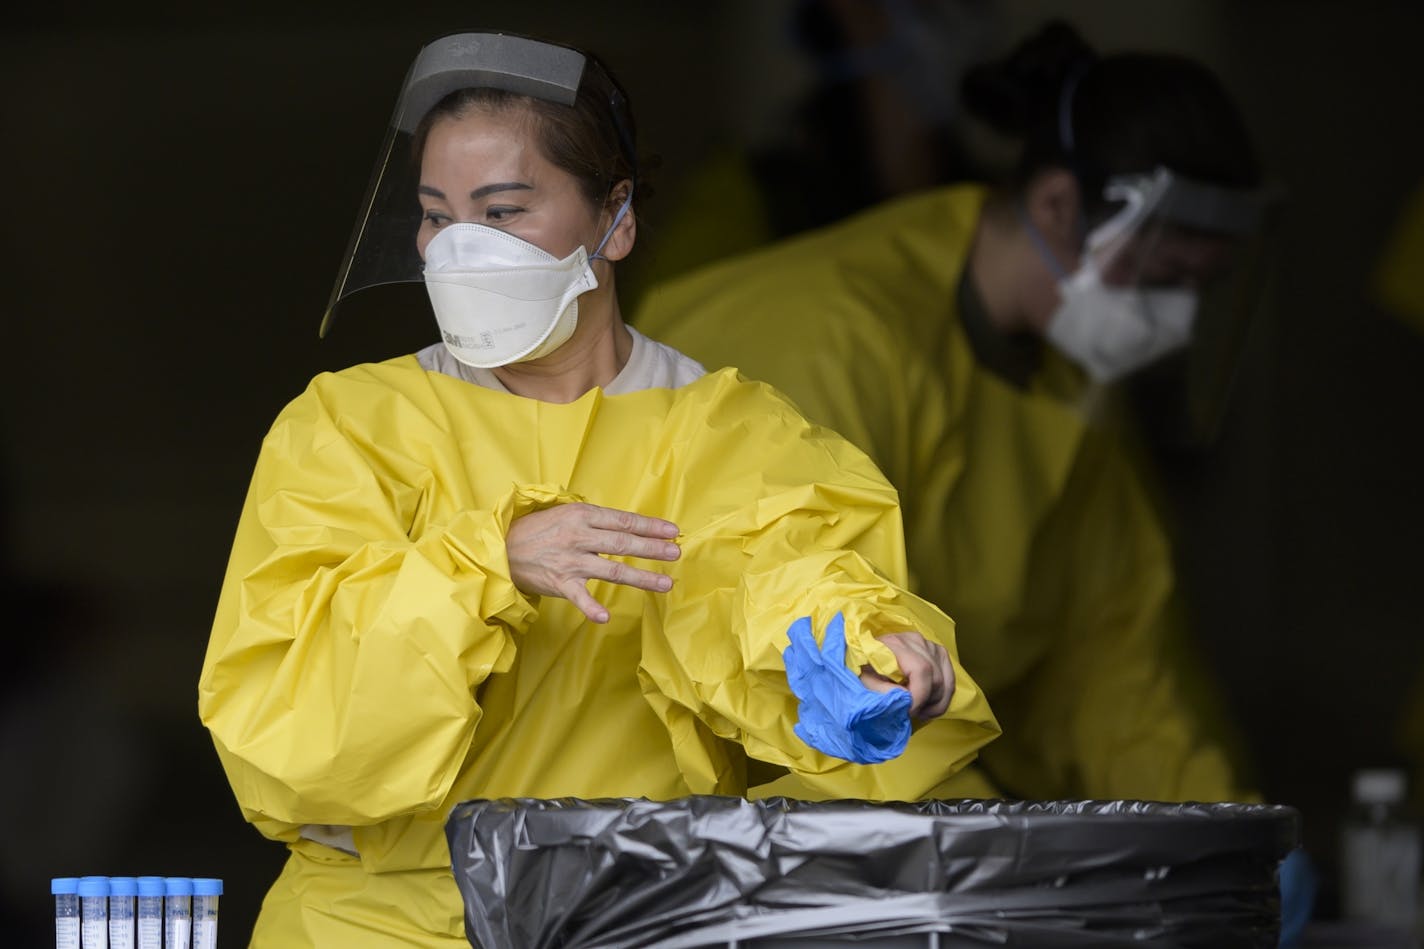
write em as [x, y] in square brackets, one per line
[480, 140]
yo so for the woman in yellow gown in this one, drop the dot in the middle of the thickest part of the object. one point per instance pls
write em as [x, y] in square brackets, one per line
[546, 556]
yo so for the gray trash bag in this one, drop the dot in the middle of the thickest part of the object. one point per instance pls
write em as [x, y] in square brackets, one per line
[723, 871]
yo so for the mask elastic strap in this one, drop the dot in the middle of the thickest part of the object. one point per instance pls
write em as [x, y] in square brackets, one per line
[1041, 245]
[622, 210]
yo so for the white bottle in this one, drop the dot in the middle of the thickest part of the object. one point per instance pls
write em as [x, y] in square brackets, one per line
[1380, 852]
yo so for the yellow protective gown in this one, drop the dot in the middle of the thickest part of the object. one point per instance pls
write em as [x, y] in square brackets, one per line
[1398, 281]
[1029, 527]
[372, 663]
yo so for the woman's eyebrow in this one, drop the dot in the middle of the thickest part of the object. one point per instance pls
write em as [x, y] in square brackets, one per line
[479, 192]
[502, 186]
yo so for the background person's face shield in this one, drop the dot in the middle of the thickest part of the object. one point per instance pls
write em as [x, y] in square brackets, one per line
[1163, 231]
[1163, 234]
[382, 249]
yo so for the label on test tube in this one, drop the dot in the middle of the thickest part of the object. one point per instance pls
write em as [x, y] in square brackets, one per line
[177, 913]
[94, 912]
[205, 912]
[66, 912]
[150, 912]
[122, 891]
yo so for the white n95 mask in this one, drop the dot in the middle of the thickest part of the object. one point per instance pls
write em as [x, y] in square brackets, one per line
[1111, 331]
[499, 299]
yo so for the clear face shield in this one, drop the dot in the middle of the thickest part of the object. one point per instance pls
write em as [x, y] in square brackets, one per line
[1168, 283]
[383, 248]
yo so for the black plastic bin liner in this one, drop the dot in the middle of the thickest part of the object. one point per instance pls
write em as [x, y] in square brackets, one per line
[722, 871]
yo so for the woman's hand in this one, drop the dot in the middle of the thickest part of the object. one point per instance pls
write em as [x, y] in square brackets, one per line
[929, 675]
[555, 552]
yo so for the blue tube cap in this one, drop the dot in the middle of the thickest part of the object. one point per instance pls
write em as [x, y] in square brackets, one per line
[64, 886]
[123, 886]
[150, 886]
[177, 886]
[93, 886]
[207, 886]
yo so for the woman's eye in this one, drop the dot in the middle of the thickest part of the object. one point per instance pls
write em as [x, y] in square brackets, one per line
[436, 219]
[501, 213]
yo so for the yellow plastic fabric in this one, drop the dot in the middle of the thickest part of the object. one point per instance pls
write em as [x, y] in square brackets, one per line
[372, 664]
[1027, 526]
[1399, 275]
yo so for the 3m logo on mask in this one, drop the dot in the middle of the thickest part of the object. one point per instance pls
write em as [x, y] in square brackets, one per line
[484, 341]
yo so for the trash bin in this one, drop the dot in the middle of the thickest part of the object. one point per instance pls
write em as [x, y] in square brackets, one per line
[781, 874]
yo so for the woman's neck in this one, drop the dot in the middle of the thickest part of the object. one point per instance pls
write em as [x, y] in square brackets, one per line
[593, 356]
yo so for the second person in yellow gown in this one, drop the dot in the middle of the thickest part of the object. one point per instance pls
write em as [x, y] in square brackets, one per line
[951, 335]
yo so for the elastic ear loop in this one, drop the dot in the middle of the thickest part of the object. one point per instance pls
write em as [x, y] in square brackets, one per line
[1039, 244]
[622, 210]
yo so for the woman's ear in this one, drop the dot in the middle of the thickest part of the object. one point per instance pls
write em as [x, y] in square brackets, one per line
[625, 230]
[1054, 204]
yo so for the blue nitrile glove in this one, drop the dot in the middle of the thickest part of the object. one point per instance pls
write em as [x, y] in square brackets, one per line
[1298, 883]
[838, 714]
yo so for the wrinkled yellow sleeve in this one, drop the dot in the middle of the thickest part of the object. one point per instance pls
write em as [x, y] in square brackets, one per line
[823, 537]
[339, 679]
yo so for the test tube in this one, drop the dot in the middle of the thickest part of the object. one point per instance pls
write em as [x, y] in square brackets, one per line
[122, 891]
[205, 912]
[150, 912]
[177, 912]
[94, 912]
[66, 912]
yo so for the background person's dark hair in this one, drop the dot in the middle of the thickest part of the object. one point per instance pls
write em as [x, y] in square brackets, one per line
[587, 139]
[1129, 112]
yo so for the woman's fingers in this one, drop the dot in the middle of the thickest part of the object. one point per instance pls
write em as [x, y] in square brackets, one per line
[876, 682]
[620, 544]
[556, 551]
[929, 675]
[613, 571]
[626, 522]
[577, 593]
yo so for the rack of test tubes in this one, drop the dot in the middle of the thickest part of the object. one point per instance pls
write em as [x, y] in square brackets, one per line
[97, 912]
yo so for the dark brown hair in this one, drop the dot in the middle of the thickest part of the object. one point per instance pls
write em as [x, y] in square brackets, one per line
[1100, 116]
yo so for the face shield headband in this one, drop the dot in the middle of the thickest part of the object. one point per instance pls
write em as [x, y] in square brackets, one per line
[382, 246]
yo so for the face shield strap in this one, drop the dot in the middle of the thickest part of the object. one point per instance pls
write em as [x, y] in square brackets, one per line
[618, 106]
[1065, 109]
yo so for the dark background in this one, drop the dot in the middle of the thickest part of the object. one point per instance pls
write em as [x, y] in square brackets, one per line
[178, 189]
